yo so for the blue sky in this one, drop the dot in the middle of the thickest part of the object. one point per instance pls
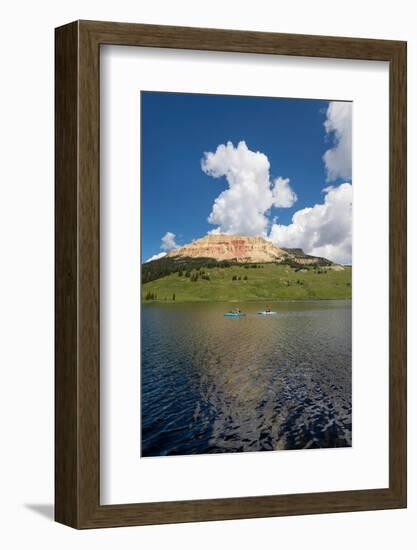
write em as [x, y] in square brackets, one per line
[292, 135]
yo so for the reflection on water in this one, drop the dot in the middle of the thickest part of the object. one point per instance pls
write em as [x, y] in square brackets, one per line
[212, 384]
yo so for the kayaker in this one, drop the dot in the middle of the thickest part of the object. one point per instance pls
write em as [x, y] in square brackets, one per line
[268, 309]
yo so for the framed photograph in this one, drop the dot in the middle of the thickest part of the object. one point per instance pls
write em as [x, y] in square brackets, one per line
[230, 274]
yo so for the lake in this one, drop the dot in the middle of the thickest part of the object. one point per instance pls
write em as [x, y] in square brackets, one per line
[213, 384]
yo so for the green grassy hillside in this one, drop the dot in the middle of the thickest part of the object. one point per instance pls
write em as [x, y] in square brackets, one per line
[266, 282]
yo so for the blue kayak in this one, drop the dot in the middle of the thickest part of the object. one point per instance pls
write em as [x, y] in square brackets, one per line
[234, 314]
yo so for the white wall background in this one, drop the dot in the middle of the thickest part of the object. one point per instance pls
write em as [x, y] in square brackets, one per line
[26, 272]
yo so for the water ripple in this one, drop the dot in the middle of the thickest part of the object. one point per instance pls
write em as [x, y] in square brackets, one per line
[211, 384]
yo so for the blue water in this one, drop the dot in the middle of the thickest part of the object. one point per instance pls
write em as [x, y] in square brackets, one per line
[214, 384]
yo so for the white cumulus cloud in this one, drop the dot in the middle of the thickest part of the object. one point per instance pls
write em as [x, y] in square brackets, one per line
[324, 229]
[283, 195]
[156, 257]
[167, 245]
[338, 159]
[168, 242]
[243, 207]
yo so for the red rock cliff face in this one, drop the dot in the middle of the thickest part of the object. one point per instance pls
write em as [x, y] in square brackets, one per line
[231, 247]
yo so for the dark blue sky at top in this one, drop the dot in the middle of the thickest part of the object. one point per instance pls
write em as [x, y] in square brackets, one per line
[176, 130]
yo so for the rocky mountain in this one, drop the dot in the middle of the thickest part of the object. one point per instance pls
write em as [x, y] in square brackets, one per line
[224, 251]
[231, 247]
[242, 249]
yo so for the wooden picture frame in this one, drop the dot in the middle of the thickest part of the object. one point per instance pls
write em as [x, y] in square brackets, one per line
[77, 405]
